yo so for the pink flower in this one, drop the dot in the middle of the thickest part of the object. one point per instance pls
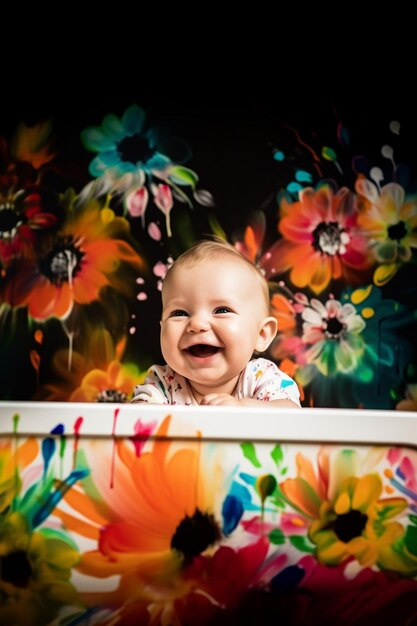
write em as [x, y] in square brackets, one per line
[164, 201]
[136, 203]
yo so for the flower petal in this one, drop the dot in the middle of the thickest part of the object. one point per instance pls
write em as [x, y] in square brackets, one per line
[367, 490]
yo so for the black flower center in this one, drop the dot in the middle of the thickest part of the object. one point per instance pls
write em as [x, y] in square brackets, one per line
[333, 328]
[327, 238]
[349, 525]
[397, 231]
[111, 395]
[15, 569]
[135, 149]
[63, 262]
[195, 534]
[9, 222]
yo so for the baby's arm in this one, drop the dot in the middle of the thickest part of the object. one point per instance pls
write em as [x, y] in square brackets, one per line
[150, 394]
[224, 399]
[152, 391]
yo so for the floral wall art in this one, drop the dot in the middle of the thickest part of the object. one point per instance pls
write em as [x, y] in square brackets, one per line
[163, 520]
[96, 203]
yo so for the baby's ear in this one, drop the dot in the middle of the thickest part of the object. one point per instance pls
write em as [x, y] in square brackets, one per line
[267, 332]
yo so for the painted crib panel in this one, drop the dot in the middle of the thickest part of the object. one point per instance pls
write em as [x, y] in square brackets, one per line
[131, 514]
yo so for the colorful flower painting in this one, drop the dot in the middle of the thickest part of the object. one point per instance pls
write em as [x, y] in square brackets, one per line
[97, 201]
[115, 516]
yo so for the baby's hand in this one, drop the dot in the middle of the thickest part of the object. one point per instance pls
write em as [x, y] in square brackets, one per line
[219, 399]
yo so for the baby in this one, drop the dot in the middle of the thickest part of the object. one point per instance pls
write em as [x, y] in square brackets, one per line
[215, 316]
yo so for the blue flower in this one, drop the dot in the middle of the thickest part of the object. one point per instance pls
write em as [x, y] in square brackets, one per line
[124, 147]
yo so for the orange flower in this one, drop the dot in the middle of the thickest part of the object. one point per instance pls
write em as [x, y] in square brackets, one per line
[75, 264]
[114, 384]
[97, 375]
[158, 511]
[321, 240]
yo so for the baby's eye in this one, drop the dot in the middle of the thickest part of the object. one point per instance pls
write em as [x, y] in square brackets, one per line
[178, 313]
[222, 309]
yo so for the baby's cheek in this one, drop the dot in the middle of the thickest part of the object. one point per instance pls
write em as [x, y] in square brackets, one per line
[235, 328]
[169, 343]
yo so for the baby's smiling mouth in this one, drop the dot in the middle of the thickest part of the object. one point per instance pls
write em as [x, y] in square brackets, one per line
[203, 350]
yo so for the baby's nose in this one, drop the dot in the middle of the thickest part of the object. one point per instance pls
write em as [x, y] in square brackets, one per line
[198, 323]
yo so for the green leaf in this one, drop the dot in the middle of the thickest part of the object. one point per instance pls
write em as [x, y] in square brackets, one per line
[183, 176]
[302, 543]
[328, 153]
[277, 454]
[277, 501]
[249, 452]
[410, 539]
[277, 537]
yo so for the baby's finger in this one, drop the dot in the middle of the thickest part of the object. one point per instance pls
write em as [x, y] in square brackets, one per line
[219, 399]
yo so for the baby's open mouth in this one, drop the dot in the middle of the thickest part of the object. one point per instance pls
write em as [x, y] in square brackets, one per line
[203, 350]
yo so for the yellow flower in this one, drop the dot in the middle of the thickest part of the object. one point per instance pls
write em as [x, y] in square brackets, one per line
[350, 520]
[11, 462]
[390, 221]
[35, 564]
[34, 573]
[357, 523]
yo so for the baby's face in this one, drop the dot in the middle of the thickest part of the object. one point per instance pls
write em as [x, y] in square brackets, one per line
[212, 317]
